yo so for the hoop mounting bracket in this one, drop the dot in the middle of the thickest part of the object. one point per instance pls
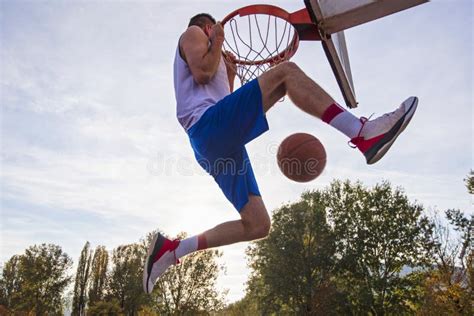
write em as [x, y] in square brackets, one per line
[307, 30]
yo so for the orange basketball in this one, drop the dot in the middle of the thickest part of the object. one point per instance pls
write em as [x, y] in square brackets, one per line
[301, 157]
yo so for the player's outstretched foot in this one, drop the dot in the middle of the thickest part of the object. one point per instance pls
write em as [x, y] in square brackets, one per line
[161, 255]
[377, 135]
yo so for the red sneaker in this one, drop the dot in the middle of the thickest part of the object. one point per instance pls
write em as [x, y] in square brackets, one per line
[377, 136]
[161, 255]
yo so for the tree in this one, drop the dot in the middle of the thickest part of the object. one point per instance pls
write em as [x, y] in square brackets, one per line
[378, 233]
[101, 308]
[448, 287]
[98, 275]
[189, 288]
[247, 306]
[470, 182]
[125, 279]
[293, 265]
[37, 279]
[342, 250]
[82, 278]
[10, 282]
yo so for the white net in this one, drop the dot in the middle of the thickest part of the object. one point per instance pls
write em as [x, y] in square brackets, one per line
[258, 42]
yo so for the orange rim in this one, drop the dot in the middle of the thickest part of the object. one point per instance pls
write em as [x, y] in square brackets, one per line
[272, 10]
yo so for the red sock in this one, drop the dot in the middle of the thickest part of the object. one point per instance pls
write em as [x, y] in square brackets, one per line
[331, 112]
[342, 120]
[202, 242]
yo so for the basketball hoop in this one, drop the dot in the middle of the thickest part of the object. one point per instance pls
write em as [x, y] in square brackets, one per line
[259, 37]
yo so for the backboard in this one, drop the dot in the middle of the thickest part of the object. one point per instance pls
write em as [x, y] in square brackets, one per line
[333, 17]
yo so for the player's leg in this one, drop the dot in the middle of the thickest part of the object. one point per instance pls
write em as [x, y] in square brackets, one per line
[241, 189]
[372, 137]
[237, 182]
[288, 79]
[162, 253]
[254, 223]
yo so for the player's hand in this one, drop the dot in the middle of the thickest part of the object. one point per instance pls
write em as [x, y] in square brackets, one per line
[217, 33]
[230, 57]
[230, 64]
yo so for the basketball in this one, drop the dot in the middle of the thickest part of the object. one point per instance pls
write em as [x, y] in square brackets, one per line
[301, 157]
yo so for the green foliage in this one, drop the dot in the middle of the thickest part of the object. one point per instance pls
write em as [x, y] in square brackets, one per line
[448, 287]
[35, 281]
[82, 278]
[378, 232]
[189, 287]
[470, 182]
[98, 275]
[10, 282]
[125, 279]
[111, 308]
[147, 311]
[341, 251]
[248, 306]
[465, 227]
[296, 261]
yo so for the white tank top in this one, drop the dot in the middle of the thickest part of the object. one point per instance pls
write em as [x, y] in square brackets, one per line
[193, 99]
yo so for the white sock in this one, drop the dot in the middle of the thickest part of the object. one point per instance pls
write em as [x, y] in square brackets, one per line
[342, 120]
[186, 246]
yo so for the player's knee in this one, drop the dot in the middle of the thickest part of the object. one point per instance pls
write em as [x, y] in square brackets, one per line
[255, 219]
[261, 229]
[264, 229]
[289, 67]
[284, 69]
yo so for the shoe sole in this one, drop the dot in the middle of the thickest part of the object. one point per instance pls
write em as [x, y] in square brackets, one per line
[152, 250]
[376, 153]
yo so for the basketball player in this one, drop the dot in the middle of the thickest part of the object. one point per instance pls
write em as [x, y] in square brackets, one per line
[220, 123]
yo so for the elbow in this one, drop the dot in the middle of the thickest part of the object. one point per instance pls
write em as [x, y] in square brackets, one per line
[203, 78]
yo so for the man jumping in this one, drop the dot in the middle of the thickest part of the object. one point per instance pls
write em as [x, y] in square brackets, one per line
[220, 123]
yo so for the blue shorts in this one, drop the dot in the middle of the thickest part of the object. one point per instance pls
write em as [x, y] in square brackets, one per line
[218, 139]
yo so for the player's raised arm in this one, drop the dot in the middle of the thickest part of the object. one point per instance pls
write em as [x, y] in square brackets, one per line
[202, 53]
[230, 65]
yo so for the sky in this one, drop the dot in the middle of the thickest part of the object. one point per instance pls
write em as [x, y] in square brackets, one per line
[91, 149]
